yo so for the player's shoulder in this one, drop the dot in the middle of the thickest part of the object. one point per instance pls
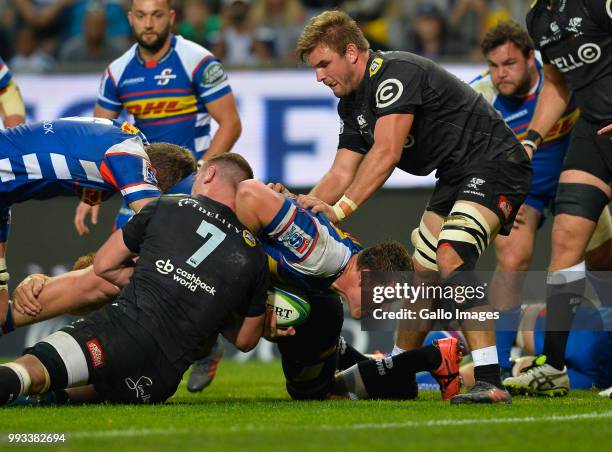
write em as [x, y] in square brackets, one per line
[191, 54]
[483, 84]
[118, 66]
[383, 64]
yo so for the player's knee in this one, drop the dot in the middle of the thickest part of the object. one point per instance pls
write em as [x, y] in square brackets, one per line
[512, 260]
[448, 259]
[38, 374]
[564, 238]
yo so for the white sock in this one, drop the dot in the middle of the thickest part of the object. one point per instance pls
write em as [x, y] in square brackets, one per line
[353, 382]
[485, 356]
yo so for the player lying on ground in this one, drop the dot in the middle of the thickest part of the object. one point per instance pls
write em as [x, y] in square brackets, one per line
[92, 158]
[183, 290]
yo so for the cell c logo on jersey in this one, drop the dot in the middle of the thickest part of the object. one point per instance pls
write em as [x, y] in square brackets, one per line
[388, 92]
[589, 53]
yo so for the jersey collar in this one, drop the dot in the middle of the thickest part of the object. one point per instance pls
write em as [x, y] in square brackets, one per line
[154, 63]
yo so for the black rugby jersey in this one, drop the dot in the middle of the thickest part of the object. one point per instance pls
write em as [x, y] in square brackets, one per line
[454, 127]
[576, 37]
[197, 265]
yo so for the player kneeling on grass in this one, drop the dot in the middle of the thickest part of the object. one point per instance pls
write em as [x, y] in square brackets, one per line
[175, 298]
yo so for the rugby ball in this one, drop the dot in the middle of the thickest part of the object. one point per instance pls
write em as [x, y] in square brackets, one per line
[291, 310]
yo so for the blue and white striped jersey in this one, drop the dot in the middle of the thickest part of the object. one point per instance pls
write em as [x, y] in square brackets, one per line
[167, 97]
[306, 250]
[88, 157]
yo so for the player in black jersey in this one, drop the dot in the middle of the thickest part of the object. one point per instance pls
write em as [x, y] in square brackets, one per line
[401, 110]
[575, 40]
[199, 272]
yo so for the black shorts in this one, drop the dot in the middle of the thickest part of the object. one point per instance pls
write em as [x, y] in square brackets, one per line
[589, 152]
[499, 185]
[124, 361]
[310, 357]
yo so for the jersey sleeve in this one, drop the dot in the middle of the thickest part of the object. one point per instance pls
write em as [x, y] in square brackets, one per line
[256, 305]
[108, 93]
[348, 135]
[5, 74]
[397, 87]
[127, 167]
[210, 80]
[135, 229]
[601, 13]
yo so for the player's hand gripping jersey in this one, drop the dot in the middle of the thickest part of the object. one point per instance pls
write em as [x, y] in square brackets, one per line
[167, 98]
[576, 37]
[454, 127]
[306, 250]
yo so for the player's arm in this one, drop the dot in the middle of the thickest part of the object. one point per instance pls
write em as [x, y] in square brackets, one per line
[244, 332]
[257, 204]
[40, 297]
[137, 205]
[390, 136]
[225, 113]
[337, 179]
[552, 102]
[113, 261]
[13, 107]
[101, 112]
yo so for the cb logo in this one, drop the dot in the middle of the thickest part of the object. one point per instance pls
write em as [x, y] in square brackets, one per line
[164, 267]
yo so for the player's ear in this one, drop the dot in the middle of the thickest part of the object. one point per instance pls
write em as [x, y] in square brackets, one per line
[352, 52]
[130, 17]
[210, 174]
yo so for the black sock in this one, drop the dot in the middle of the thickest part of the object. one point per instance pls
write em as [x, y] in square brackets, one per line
[394, 377]
[489, 373]
[382, 379]
[561, 303]
[348, 355]
[10, 385]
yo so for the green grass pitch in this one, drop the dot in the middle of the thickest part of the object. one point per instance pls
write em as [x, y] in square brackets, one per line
[246, 408]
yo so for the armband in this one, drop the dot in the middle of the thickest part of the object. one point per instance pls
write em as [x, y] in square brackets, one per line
[4, 274]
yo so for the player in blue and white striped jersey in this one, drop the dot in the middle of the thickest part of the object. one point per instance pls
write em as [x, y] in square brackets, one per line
[87, 157]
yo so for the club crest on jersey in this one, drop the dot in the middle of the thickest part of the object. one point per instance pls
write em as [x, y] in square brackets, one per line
[96, 353]
[375, 66]
[148, 173]
[164, 77]
[248, 238]
[296, 239]
[91, 196]
[129, 128]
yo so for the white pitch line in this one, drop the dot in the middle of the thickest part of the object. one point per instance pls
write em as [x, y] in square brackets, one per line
[407, 424]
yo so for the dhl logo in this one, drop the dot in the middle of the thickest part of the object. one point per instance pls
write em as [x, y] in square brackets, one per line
[162, 107]
[562, 127]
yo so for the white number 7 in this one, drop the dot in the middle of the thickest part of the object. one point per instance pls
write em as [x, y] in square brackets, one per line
[216, 237]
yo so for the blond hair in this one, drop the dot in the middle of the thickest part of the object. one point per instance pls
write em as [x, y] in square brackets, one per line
[333, 29]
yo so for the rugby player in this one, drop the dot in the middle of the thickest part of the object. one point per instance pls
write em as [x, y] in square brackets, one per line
[87, 157]
[172, 87]
[575, 41]
[199, 273]
[401, 110]
[12, 108]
